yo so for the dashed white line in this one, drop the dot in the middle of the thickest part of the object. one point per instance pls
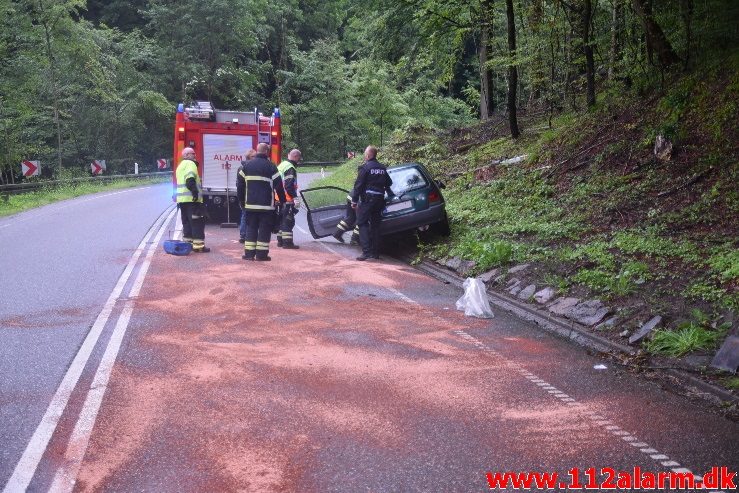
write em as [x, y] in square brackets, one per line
[597, 419]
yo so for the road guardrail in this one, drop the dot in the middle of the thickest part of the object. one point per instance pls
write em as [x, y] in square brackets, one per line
[18, 188]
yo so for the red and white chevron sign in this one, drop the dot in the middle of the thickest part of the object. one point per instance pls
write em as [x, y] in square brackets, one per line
[161, 163]
[97, 166]
[30, 168]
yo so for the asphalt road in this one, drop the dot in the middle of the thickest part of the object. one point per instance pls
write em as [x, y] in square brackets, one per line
[315, 372]
[58, 266]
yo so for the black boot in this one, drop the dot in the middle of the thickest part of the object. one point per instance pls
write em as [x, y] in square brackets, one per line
[339, 235]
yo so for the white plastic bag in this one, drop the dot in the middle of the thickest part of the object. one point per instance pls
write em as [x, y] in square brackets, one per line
[474, 302]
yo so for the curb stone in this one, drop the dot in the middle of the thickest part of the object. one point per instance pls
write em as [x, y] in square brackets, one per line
[576, 332]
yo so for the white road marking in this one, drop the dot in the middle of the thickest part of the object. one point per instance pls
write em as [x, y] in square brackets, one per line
[324, 245]
[26, 467]
[66, 475]
[597, 419]
[177, 235]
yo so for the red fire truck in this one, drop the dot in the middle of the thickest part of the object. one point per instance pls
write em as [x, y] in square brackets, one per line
[221, 139]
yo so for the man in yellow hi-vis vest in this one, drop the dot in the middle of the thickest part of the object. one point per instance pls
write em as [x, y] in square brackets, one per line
[287, 212]
[190, 201]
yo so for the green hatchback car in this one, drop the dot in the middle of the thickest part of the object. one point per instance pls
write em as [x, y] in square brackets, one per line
[418, 204]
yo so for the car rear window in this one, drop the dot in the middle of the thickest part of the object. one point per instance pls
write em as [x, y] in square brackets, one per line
[407, 179]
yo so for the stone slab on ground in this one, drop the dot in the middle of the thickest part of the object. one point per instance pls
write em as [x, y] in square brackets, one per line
[515, 290]
[727, 357]
[608, 324]
[465, 266]
[453, 263]
[486, 277]
[518, 268]
[563, 306]
[645, 329]
[514, 281]
[589, 312]
[527, 292]
[544, 295]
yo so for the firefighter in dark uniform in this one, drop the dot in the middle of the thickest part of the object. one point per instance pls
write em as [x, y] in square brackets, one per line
[287, 212]
[368, 198]
[256, 186]
[190, 201]
[349, 221]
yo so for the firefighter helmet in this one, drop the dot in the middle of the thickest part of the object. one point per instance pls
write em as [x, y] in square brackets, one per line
[187, 150]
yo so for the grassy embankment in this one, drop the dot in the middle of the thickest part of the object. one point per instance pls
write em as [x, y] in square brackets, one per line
[21, 202]
[595, 213]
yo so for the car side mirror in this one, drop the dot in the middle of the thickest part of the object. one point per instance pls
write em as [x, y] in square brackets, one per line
[440, 184]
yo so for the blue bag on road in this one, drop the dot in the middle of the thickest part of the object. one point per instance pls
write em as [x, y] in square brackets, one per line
[174, 247]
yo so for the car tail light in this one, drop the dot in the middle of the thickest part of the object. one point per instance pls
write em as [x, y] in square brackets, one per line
[434, 196]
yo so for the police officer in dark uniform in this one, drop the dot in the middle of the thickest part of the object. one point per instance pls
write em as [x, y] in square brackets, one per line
[256, 185]
[368, 198]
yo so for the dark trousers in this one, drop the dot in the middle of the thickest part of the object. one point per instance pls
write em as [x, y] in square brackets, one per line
[349, 220]
[193, 223]
[258, 233]
[242, 225]
[369, 215]
[287, 223]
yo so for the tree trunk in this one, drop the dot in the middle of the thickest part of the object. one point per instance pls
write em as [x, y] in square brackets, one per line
[512, 70]
[656, 39]
[616, 43]
[487, 105]
[587, 17]
[382, 134]
[686, 11]
[54, 88]
[538, 69]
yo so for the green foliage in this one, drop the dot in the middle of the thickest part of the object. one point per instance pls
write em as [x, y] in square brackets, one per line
[707, 290]
[619, 283]
[556, 281]
[679, 342]
[518, 203]
[650, 243]
[342, 176]
[485, 253]
[725, 262]
[691, 335]
[594, 251]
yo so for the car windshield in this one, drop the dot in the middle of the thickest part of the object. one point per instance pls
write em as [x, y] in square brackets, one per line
[407, 179]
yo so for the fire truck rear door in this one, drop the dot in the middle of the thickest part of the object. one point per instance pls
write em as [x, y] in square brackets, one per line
[222, 156]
